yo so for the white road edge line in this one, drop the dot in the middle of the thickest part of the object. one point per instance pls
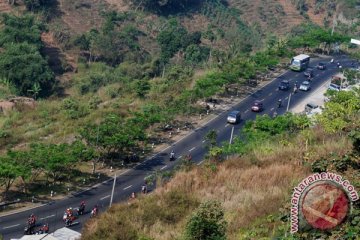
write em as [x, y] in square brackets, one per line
[127, 187]
[104, 197]
[163, 167]
[192, 149]
[11, 226]
[200, 162]
[47, 217]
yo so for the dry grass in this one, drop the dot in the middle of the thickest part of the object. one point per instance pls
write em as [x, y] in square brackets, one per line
[249, 187]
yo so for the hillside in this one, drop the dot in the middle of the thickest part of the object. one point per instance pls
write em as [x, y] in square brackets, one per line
[89, 87]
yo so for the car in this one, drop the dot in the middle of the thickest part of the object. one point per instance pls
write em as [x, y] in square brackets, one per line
[257, 106]
[284, 85]
[234, 117]
[334, 87]
[305, 86]
[310, 106]
[309, 72]
[321, 66]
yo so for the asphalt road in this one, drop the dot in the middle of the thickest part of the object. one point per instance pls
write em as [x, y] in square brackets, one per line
[12, 226]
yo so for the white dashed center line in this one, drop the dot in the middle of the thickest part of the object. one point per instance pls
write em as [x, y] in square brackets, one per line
[47, 217]
[11, 226]
[271, 109]
[127, 187]
[192, 149]
[105, 197]
[270, 94]
[163, 167]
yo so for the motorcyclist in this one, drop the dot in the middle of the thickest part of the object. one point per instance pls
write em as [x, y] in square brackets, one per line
[44, 229]
[32, 220]
[279, 103]
[172, 155]
[295, 88]
[94, 211]
[144, 188]
[81, 208]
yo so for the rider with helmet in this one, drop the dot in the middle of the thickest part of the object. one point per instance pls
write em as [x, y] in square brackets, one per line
[279, 103]
[81, 208]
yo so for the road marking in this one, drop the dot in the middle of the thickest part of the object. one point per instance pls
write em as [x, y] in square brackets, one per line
[262, 100]
[192, 149]
[180, 157]
[204, 141]
[226, 125]
[11, 226]
[163, 167]
[317, 75]
[271, 109]
[286, 98]
[127, 187]
[270, 94]
[47, 217]
[200, 162]
[104, 197]
[246, 111]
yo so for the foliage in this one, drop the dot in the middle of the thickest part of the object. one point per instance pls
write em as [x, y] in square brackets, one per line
[20, 29]
[196, 54]
[340, 111]
[24, 66]
[175, 37]
[74, 109]
[114, 135]
[211, 138]
[207, 222]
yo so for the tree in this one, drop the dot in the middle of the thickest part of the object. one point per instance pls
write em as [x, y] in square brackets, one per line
[211, 138]
[165, 6]
[207, 223]
[24, 67]
[20, 29]
[9, 172]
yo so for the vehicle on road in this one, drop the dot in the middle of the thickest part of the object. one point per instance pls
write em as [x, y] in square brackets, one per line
[334, 87]
[234, 117]
[284, 85]
[309, 73]
[310, 106]
[172, 155]
[257, 106]
[300, 62]
[321, 66]
[94, 212]
[305, 86]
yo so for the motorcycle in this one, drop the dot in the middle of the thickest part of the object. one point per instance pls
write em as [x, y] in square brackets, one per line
[29, 230]
[93, 213]
[68, 220]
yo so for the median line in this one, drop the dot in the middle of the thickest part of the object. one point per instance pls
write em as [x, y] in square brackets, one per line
[163, 167]
[127, 187]
[246, 111]
[104, 197]
[47, 217]
[11, 226]
[192, 149]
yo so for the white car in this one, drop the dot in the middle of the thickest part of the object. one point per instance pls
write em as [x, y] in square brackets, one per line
[305, 86]
[334, 87]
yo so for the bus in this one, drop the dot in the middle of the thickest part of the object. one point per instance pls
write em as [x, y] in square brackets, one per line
[300, 62]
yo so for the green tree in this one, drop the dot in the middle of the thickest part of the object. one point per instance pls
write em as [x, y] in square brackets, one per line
[207, 223]
[20, 29]
[10, 170]
[24, 67]
[211, 138]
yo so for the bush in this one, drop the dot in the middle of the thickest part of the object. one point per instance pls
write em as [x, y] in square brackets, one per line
[207, 222]
[73, 108]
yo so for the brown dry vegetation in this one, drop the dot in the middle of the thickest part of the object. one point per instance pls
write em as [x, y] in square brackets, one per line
[249, 187]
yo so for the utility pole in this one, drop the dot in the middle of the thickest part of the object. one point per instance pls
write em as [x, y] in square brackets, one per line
[288, 105]
[231, 136]
[113, 189]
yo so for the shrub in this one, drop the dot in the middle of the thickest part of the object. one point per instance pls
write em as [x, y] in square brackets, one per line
[73, 108]
[207, 222]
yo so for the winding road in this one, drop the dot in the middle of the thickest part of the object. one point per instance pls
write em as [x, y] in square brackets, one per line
[12, 226]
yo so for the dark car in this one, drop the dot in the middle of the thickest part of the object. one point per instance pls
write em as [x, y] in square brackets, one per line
[234, 117]
[321, 66]
[284, 85]
[257, 106]
[309, 72]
